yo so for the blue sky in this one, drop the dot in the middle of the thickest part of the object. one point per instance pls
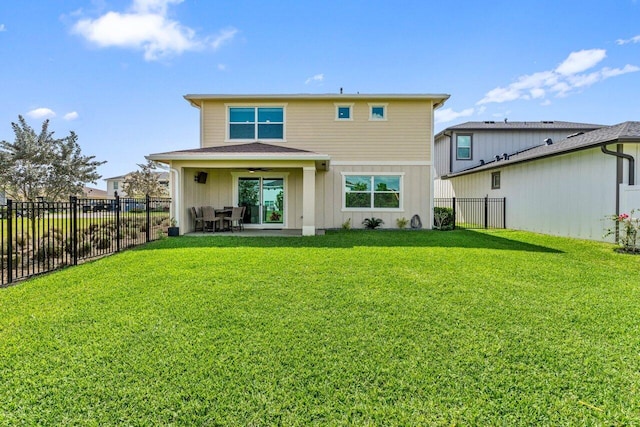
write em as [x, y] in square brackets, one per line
[115, 72]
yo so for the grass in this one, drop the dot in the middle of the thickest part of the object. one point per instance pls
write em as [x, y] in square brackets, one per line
[350, 328]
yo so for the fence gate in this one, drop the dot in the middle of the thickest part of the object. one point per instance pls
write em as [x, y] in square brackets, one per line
[482, 212]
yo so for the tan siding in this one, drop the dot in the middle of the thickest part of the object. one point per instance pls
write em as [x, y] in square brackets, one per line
[415, 196]
[311, 125]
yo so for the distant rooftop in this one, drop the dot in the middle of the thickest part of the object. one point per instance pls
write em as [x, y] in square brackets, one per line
[620, 133]
[507, 125]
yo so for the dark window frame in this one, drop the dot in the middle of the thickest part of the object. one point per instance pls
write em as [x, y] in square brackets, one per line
[495, 180]
[457, 148]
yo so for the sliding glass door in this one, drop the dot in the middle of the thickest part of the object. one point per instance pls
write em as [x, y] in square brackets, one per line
[264, 200]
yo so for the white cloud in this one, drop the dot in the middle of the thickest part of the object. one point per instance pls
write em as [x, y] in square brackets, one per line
[222, 67]
[71, 116]
[635, 39]
[567, 77]
[2, 28]
[448, 115]
[580, 61]
[41, 113]
[145, 26]
[317, 78]
[224, 36]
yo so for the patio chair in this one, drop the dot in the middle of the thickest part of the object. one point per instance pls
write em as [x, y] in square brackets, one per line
[197, 219]
[209, 217]
[236, 217]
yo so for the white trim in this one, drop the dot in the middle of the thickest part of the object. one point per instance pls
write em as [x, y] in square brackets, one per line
[400, 207]
[384, 105]
[229, 105]
[381, 163]
[339, 105]
[308, 230]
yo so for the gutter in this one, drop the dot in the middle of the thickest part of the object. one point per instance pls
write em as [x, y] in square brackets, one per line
[632, 167]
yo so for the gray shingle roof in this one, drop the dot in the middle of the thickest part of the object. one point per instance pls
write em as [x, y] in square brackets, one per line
[620, 133]
[249, 148]
[543, 125]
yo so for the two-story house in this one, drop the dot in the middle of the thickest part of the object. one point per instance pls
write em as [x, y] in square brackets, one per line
[308, 162]
[468, 145]
[115, 184]
[564, 186]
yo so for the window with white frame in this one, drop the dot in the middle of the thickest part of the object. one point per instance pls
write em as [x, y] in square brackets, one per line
[364, 191]
[252, 123]
[495, 180]
[378, 112]
[344, 111]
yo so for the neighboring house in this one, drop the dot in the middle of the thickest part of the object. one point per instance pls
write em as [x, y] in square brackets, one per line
[562, 187]
[308, 162]
[116, 183]
[470, 144]
[93, 193]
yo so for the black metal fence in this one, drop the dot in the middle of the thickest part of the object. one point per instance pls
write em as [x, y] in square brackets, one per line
[483, 212]
[42, 236]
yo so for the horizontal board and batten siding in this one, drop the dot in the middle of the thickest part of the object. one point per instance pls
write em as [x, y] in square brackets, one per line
[311, 125]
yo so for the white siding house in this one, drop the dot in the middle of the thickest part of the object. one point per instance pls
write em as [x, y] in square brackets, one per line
[564, 187]
[470, 144]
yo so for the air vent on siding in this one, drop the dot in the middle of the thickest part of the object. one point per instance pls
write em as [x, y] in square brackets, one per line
[548, 141]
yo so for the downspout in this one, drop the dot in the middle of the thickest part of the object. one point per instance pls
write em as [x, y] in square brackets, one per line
[620, 157]
[176, 194]
[632, 168]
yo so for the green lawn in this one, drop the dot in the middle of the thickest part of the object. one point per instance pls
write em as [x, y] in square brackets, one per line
[350, 328]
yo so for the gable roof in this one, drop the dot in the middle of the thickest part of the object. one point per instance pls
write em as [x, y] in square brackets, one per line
[620, 133]
[248, 151]
[532, 126]
[438, 98]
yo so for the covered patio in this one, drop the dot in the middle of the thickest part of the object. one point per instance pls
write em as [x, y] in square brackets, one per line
[276, 184]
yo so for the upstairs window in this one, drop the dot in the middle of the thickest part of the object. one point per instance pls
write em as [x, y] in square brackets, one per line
[251, 123]
[344, 112]
[463, 147]
[378, 112]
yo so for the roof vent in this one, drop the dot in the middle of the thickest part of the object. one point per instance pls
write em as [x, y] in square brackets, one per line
[575, 134]
[505, 156]
[489, 122]
[548, 141]
[481, 162]
[497, 158]
[547, 122]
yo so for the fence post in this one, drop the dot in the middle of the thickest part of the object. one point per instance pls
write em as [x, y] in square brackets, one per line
[504, 212]
[9, 241]
[148, 215]
[73, 200]
[486, 211]
[117, 207]
[453, 204]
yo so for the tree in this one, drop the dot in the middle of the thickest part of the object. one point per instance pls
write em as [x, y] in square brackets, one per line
[145, 181]
[39, 165]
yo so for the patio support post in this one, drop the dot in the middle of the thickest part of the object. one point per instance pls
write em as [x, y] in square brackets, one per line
[308, 201]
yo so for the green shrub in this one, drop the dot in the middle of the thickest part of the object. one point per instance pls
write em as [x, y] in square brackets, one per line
[443, 218]
[347, 224]
[372, 223]
[48, 249]
[102, 242]
[402, 222]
